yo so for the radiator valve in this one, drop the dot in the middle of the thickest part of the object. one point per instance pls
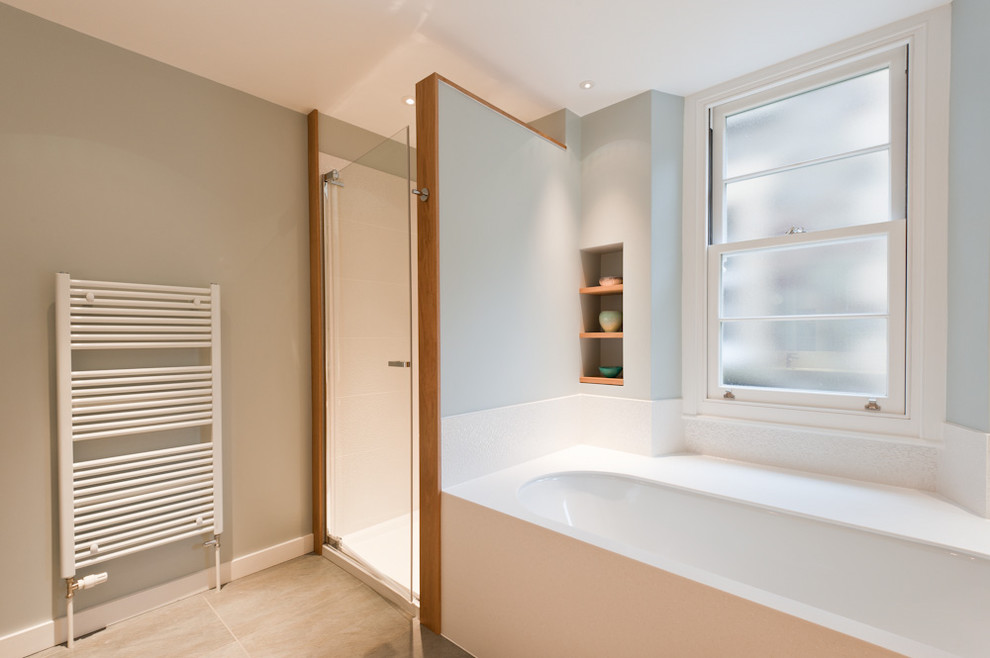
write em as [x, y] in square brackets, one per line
[86, 582]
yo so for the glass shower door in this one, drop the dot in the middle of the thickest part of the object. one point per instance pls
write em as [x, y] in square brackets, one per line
[371, 447]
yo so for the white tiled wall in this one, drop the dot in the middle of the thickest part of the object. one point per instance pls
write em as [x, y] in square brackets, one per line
[856, 456]
[371, 467]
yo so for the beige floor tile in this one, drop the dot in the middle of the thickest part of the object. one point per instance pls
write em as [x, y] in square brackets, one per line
[304, 607]
[232, 650]
[278, 596]
[185, 628]
[343, 622]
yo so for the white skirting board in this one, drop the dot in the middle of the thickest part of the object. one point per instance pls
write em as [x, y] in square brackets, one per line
[49, 633]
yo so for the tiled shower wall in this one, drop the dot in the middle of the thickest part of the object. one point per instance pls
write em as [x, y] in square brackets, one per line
[371, 444]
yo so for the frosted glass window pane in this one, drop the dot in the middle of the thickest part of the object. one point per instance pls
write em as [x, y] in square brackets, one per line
[844, 355]
[842, 277]
[847, 192]
[842, 117]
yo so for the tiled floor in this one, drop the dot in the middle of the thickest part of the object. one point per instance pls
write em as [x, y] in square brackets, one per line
[305, 607]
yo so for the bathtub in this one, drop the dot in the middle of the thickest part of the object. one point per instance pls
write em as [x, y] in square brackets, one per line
[896, 568]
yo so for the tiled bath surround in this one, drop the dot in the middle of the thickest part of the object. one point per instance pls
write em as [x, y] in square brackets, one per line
[844, 454]
[481, 442]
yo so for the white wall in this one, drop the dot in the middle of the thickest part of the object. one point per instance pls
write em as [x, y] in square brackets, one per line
[116, 167]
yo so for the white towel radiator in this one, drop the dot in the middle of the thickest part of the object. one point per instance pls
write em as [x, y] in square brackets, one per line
[135, 500]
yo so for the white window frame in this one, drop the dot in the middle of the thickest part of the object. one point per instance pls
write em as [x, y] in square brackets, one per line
[927, 39]
[895, 60]
[890, 404]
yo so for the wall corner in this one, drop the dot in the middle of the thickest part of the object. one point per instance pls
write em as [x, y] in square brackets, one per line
[964, 468]
[667, 427]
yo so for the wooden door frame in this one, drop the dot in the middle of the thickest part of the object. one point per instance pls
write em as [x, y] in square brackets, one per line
[428, 263]
[429, 349]
[317, 329]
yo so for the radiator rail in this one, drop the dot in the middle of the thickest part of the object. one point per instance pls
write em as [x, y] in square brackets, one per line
[144, 496]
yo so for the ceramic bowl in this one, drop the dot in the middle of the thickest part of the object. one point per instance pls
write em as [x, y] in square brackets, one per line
[610, 371]
[610, 320]
[610, 280]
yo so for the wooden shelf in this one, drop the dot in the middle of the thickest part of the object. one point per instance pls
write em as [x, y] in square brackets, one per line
[602, 290]
[598, 346]
[611, 381]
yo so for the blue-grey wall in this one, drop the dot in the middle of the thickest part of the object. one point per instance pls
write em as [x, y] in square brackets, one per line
[515, 211]
[631, 194]
[616, 208]
[666, 167]
[968, 368]
[509, 267]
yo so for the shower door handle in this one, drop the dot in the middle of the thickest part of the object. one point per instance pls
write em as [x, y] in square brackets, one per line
[399, 364]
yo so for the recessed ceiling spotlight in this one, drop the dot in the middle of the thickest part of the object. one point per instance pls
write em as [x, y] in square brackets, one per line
[587, 84]
[408, 100]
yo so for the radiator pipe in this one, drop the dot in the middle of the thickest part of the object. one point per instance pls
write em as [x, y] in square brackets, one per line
[71, 586]
[215, 543]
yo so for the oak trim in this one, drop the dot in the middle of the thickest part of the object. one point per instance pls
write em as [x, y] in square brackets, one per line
[428, 233]
[317, 327]
[602, 290]
[489, 106]
[611, 381]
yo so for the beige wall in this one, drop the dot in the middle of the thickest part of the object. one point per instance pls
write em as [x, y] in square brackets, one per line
[116, 167]
[563, 597]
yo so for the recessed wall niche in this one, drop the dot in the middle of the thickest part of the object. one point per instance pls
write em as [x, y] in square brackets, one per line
[601, 343]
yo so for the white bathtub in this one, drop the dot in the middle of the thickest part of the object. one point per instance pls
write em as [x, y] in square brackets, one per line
[895, 567]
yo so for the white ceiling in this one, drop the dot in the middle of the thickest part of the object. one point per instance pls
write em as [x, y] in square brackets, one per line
[356, 59]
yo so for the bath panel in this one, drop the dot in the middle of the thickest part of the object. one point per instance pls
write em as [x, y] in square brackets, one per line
[895, 568]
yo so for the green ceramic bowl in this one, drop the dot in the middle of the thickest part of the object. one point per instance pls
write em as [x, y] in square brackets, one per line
[610, 371]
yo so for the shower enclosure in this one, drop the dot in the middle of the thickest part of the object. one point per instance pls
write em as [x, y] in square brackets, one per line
[372, 466]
